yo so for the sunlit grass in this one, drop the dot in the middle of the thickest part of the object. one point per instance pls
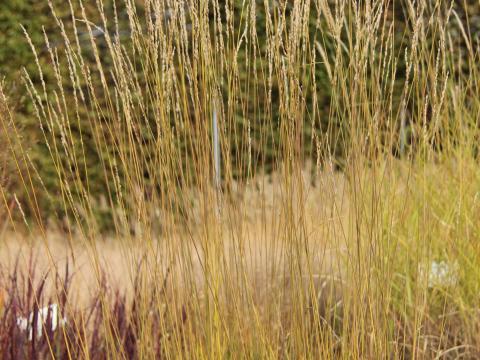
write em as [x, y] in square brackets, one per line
[320, 241]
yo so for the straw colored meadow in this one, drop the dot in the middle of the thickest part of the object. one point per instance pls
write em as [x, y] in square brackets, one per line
[232, 179]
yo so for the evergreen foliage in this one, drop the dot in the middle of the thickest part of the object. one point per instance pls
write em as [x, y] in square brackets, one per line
[252, 149]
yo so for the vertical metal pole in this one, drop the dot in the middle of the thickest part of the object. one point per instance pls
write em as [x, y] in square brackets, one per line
[403, 135]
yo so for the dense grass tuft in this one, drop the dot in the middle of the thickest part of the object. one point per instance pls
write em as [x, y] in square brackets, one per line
[342, 222]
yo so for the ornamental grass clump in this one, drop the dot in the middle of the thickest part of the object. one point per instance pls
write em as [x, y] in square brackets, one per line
[273, 175]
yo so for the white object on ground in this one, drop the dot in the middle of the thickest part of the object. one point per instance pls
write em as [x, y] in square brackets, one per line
[49, 313]
[442, 273]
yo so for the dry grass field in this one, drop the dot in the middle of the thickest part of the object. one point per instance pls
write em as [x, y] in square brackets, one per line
[251, 214]
[266, 290]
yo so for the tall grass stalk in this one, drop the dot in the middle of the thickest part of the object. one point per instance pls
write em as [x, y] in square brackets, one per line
[332, 262]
